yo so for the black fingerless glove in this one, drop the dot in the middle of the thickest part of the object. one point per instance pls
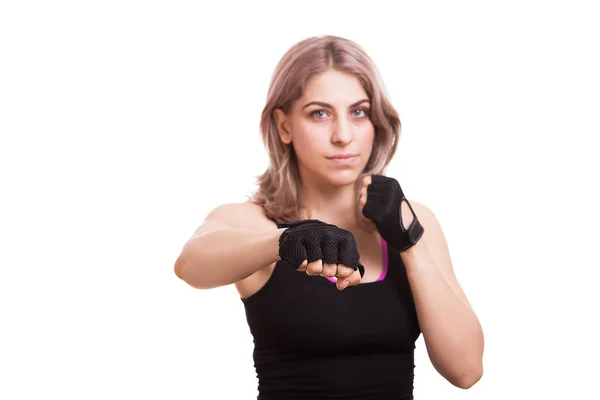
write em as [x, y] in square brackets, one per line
[384, 197]
[313, 240]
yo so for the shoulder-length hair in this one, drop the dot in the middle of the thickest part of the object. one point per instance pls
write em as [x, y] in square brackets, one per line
[278, 186]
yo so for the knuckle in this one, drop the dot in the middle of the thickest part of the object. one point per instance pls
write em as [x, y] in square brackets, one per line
[328, 234]
[315, 267]
[347, 237]
[302, 267]
[329, 269]
[344, 271]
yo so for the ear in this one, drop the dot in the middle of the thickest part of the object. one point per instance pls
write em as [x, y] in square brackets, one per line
[282, 123]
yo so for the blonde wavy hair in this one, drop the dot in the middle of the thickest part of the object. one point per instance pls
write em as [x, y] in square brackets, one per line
[278, 186]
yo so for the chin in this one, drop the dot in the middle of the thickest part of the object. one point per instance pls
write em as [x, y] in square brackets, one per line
[342, 178]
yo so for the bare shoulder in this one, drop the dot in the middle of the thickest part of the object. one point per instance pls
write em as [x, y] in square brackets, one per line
[246, 215]
[249, 216]
[432, 229]
[421, 210]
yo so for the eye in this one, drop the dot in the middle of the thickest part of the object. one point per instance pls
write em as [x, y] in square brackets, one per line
[314, 113]
[366, 112]
[318, 113]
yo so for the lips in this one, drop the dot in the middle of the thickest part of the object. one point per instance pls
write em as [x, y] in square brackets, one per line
[344, 160]
[342, 156]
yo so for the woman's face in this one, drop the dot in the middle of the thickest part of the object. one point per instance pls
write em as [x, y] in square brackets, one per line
[330, 128]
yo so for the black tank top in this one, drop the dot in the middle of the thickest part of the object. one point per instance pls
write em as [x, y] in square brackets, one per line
[312, 341]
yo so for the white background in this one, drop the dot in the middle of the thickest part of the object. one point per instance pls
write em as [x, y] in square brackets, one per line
[124, 123]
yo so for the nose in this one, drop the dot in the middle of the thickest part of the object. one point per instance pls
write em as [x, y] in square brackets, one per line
[342, 132]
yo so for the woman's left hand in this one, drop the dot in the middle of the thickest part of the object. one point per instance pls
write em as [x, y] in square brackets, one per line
[383, 202]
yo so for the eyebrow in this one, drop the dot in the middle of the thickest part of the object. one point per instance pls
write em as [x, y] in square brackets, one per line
[320, 103]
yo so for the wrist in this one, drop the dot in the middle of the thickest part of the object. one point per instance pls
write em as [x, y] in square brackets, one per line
[275, 242]
[417, 255]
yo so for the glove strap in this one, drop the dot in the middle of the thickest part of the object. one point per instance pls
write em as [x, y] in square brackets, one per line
[415, 229]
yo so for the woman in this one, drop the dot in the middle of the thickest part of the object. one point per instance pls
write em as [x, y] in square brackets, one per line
[338, 272]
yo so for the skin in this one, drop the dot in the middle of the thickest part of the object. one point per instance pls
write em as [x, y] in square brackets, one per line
[338, 123]
[450, 328]
[317, 131]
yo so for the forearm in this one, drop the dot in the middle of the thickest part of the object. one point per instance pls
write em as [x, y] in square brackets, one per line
[227, 255]
[450, 328]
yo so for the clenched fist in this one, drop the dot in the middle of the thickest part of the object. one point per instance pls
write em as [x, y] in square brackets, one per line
[384, 203]
[318, 248]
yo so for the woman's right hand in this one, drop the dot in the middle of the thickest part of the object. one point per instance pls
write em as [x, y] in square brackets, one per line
[318, 248]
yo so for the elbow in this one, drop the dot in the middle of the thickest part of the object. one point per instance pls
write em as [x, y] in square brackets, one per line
[182, 271]
[179, 269]
[468, 378]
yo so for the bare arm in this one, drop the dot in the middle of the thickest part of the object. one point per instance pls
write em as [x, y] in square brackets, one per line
[234, 241]
[452, 332]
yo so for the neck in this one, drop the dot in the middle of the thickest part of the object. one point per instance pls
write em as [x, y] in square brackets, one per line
[332, 204]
